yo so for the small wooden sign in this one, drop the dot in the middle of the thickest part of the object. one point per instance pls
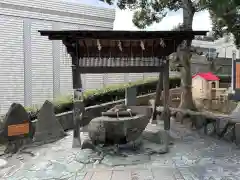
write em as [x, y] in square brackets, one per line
[18, 129]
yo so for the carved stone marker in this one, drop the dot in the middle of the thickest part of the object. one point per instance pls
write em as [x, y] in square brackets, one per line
[47, 126]
[78, 114]
[131, 96]
[17, 128]
[17, 123]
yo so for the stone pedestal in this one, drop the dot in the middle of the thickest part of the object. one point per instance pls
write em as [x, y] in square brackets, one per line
[47, 126]
[131, 96]
[155, 133]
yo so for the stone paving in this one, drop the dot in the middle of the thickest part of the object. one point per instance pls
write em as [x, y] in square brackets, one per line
[192, 157]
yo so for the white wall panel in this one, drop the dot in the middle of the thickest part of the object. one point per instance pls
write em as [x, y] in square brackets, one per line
[43, 15]
[11, 62]
[42, 64]
[62, 6]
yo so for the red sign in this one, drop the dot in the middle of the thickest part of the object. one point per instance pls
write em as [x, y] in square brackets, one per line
[18, 129]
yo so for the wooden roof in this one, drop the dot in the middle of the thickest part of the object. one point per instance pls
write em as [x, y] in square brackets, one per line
[121, 43]
[120, 51]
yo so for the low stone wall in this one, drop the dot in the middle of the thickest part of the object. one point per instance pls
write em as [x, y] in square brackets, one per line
[226, 127]
[223, 128]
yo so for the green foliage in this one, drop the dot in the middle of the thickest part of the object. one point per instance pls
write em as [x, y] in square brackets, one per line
[223, 13]
[66, 100]
[147, 12]
[120, 87]
[64, 103]
[225, 18]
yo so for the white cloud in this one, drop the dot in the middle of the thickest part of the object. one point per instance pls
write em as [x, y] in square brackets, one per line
[123, 21]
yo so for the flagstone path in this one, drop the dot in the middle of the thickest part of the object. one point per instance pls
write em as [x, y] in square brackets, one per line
[191, 157]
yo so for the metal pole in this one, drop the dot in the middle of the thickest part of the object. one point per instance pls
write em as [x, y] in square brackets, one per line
[233, 59]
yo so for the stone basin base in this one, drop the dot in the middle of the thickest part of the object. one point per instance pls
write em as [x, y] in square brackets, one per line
[109, 130]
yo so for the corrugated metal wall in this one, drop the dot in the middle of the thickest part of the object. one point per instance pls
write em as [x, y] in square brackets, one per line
[66, 62]
[32, 68]
[42, 64]
[11, 62]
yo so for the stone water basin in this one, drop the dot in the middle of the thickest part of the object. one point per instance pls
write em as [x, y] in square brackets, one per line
[117, 130]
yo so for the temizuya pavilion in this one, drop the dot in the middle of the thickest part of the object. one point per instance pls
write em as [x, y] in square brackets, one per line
[118, 52]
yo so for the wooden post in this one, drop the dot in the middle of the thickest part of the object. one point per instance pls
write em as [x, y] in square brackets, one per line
[157, 98]
[166, 111]
[77, 87]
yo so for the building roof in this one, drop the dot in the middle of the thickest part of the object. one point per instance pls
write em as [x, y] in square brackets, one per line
[95, 3]
[207, 76]
[224, 49]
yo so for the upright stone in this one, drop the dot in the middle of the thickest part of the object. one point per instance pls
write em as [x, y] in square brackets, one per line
[131, 96]
[17, 128]
[17, 123]
[47, 126]
[221, 125]
[86, 142]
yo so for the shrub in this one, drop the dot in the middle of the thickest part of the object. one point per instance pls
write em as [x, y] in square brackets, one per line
[111, 93]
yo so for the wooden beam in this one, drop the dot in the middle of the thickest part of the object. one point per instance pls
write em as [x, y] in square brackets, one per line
[119, 69]
[130, 51]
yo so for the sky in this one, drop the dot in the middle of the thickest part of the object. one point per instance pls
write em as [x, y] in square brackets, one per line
[123, 20]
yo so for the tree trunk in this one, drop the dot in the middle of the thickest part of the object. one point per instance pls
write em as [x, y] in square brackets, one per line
[158, 97]
[186, 82]
[166, 111]
[185, 59]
